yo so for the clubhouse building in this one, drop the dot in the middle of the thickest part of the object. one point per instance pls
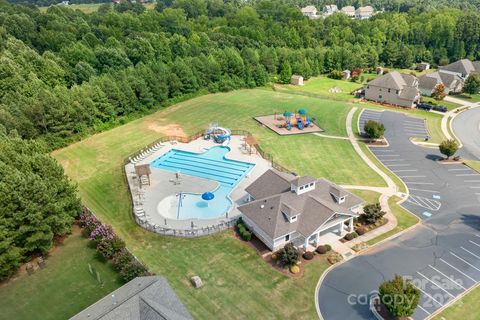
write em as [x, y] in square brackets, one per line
[283, 208]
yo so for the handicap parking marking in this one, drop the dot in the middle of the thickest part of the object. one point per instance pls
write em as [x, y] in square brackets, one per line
[436, 196]
[426, 203]
[456, 269]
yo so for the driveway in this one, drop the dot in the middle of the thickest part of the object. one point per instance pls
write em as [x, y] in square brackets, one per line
[441, 256]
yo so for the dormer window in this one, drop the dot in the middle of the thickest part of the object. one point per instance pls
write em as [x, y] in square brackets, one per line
[341, 200]
[293, 219]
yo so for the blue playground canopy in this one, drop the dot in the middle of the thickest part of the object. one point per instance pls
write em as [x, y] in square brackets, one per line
[208, 196]
[287, 114]
[302, 111]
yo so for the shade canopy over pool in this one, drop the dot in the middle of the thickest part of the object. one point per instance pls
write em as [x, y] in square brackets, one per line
[208, 196]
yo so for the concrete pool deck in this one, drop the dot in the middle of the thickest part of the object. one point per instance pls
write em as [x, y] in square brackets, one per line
[159, 199]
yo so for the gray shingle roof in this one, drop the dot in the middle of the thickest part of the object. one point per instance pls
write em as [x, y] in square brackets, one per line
[143, 298]
[463, 66]
[270, 183]
[430, 80]
[314, 208]
[392, 80]
[301, 181]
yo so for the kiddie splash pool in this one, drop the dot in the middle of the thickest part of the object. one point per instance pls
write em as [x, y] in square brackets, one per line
[212, 165]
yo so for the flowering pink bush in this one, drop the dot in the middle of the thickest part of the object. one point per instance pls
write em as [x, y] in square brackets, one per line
[102, 232]
[89, 222]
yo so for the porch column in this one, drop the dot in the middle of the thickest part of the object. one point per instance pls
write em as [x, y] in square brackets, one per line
[350, 224]
[342, 225]
[317, 238]
[306, 243]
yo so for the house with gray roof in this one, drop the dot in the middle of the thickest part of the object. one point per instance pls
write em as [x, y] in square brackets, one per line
[394, 88]
[143, 298]
[283, 208]
[461, 68]
[428, 82]
[330, 9]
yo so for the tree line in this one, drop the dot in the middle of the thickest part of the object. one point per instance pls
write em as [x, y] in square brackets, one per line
[64, 73]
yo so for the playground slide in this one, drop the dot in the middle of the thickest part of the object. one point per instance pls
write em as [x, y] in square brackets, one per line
[300, 124]
[308, 122]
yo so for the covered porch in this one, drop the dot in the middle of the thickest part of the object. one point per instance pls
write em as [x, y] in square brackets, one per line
[337, 226]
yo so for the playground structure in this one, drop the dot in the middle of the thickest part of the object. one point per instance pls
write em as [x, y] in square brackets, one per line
[289, 120]
[218, 134]
[290, 123]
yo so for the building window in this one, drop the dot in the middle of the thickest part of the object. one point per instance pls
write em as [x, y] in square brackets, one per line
[287, 237]
[294, 218]
[397, 92]
[301, 188]
[368, 87]
[380, 97]
[311, 184]
[388, 90]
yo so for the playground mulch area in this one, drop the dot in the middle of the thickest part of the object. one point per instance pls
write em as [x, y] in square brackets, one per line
[270, 122]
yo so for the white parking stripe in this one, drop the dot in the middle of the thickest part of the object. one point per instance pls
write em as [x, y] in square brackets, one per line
[474, 187]
[406, 170]
[447, 277]
[471, 265]
[423, 190]
[451, 295]
[467, 175]
[411, 176]
[399, 165]
[385, 150]
[429, 183]
[459, 271]
[388, 155]
[416, 122]
[471, 181]
[431, 297]
[392, 160]
[460, 169]
[478, 245]
[423, 309]
[473, 254]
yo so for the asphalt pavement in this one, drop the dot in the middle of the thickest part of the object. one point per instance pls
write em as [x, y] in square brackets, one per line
[441, 256]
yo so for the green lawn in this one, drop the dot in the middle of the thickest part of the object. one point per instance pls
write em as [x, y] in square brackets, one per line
[448, 104]
[465, 308]
[367, 195]
[232, 272]
[93, 7]
[322, 85]
[63, 288]
[469, 97]
[405, 219]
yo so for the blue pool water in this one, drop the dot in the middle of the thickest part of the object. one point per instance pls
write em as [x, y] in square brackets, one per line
[212, 165]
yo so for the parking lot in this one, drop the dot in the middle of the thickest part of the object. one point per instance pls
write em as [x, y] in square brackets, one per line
[441, 256]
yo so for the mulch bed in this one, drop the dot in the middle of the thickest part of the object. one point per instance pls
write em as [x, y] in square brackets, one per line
[383, 311]
[376, 143]
[449, 161]
[370, 227]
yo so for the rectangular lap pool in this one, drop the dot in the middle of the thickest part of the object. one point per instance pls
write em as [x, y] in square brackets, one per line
[212, 165]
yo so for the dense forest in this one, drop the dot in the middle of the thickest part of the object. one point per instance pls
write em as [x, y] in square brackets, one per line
[37, 201]
[65, 72]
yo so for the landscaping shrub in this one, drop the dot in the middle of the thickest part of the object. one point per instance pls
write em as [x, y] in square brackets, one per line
[400, 296]
[288, 255]
[348, 236]
[308, 255]
[295, 269]
[361, 230]
[132, 270]
[335, 74]
[122, 258]
[328, 247]
[334, 257]
[243, 231]
[321, 249]
[108, 248]
[246, 235]
[372, 213]
[274, 256]
[354, 234]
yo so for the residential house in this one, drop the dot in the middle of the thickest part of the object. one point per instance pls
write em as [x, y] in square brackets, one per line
[349, 11]
[296, 80]
[346, 74]
[142, 298]
[283, 208]
[330, 9]
[364, 12]
[452, 82]
[462, 68]
[310, 12]
[394, 88]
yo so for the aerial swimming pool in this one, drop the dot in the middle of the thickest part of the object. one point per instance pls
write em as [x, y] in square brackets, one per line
[212, 165]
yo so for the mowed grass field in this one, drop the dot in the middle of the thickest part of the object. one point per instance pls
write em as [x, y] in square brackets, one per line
[238, 284]
[63, 288]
